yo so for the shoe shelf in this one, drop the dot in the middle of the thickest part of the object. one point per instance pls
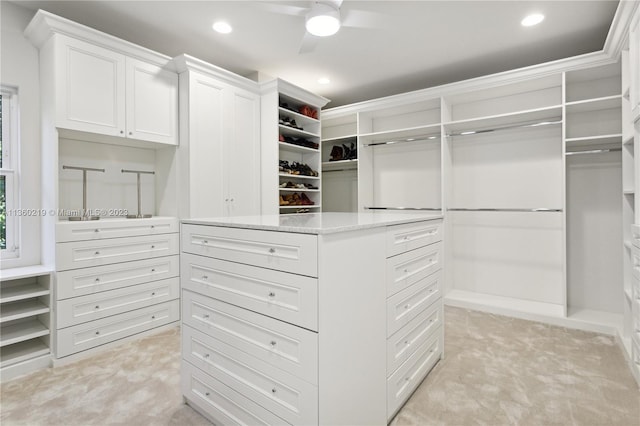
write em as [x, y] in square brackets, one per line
[296, 148]
[293, 132]
[23, 351]
[29, 291]
[301, 119]
[300, 207]
[340, 139]
[340, 165]
[298, 190]
[16, 333]
[289, 176]
[22, 309]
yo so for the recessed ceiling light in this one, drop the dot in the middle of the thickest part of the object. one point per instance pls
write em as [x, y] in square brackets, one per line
[222, 27]
[531, 20]
[324, 80]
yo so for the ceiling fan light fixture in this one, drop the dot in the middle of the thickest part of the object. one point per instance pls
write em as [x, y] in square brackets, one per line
[531, 20]
[323, 20]
[222, 27]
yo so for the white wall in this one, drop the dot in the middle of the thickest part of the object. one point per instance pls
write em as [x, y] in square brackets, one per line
[19, 67]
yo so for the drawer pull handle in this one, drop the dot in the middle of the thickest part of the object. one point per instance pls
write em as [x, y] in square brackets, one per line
[406, 379]
[273, 343]
[205, 316]
[205, 241]
[96, 230]
[431, 291]
[206, 355]
[97, 280]
[153, 226]
[272, 250]
[273, 390]
[153, 317]
[207, 394]
[205, 277]
[97, 333]
[153, 293]
[407, 306]
[153, 269]
[272, 294]
[406, 342]
[97, 253]
[406, 270]
[431, 320]
[153, 246]
[97, 306]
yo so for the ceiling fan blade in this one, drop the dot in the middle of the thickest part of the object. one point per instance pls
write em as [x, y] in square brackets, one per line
[309, 43]
[283, 8]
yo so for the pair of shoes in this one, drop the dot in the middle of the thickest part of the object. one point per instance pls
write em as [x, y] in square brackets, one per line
[337, 153]
[309, 186]
[303, 169]
[284, 167]
[308, 111]
[300, 142]
[283, 202]
[286, 121]
[350, 153]
[293, 185]
[295, 199]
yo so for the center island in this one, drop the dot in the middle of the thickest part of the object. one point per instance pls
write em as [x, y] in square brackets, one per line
[307, 319]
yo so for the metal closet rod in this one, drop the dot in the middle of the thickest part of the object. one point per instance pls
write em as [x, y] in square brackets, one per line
[593, 151]
[536, 210]
[88, 169]
[511, 126]
[404, 208]
[421, 138]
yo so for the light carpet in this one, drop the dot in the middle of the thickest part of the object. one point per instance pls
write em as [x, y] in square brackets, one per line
[497, 371]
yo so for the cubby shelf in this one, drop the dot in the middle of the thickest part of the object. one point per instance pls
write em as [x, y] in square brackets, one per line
[22, 309]
[16, 333]
[340, 165]
[23, 351]
[297, 148]
[287, 175]
[594, 141]
[290, 131]
[298, 190]
[338, 139]
[297, 116]
[596, 104]
[13, 294]
[315, 206]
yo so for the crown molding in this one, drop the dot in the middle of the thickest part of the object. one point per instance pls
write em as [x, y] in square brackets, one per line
[184, 63]
[44, 25]
[619, 30]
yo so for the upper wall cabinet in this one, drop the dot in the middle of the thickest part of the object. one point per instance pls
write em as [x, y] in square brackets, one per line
[105, 86]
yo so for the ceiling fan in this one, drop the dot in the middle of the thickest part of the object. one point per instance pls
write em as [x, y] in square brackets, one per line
[323, 18]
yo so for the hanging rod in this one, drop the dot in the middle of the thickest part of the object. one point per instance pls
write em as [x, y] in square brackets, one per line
[593, 151]
[422, 138]
[511, 126]
[537, 210]
[404, 208]
[88, 169]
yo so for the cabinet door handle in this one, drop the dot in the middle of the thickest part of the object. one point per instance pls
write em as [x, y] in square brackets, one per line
[153, 226]
[153, 317]
[97, 253]
[97, 306]
[273, 343]
[153, 269]
[207, 394]
[272, 294]
[97, 333]
[205, 241]
[407, 306]
[130, 133]
[122, 132]
[272, 250]
[96, 230]
[153, 294]
[206, 355]
[153, 246]
[205, 277]
[273, 390]
[205, 316]
[97, 280]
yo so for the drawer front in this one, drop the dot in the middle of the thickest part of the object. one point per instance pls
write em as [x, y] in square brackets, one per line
[221, 404]
[401, 238]
[285, 395]
[408, 268]
[288, 297]
[282, 345]
[404, 306]
[282, 251]
[408, 377]
[81, 282]
[95, 333]
[114, 228]
[404, 343]
[100, 305]
[83, 254]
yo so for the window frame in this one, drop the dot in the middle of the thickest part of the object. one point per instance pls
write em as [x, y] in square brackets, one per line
[10, 170]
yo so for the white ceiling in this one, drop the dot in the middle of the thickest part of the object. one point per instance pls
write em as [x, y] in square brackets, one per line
[398, 46]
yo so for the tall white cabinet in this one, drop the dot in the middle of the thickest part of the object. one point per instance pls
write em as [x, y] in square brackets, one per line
[220, 149]
[109, 106]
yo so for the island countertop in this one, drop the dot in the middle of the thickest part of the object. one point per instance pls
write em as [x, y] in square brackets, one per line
[317, 223]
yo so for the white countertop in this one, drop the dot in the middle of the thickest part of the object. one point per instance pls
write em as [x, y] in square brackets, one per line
[317, 223]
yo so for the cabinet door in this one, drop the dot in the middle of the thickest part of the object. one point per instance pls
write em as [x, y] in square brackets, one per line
[152, 103]
[205, 120]
[634, 59]
[90, 86]
[242, 153]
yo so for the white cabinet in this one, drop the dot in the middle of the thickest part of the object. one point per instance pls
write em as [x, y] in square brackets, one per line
[109, 285]
[220, 139]
[102, 91]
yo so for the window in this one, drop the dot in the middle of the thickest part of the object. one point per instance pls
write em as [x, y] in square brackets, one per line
[9, 218]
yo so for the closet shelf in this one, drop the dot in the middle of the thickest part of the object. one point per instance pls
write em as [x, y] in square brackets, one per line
[628, 140]
[299, 207]
[296, 148]
[339, 165]
[22, 309]
[423, 132]
[347, 138]
[526, 118]
[290, 131]
[22, 331]
[298, 190]
[290, 176]
[23, 351]
[25, 272]
[596, 104]
[21, 292]
[594, 141]
[297, 116]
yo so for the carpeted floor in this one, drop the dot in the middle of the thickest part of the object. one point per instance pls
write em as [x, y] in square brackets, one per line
[496, 371]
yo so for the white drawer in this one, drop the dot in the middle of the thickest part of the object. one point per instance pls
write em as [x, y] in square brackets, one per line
[402, 344]
[281, 251]
[405, 305]
[80, 282]
[83, 254]
[401, 238]
[95, 333]
[114, 228]
[410, 267]
[288, 297]
[406, 379]
[285, 395]
[282, 345]
[100, 305]
[221, 404]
